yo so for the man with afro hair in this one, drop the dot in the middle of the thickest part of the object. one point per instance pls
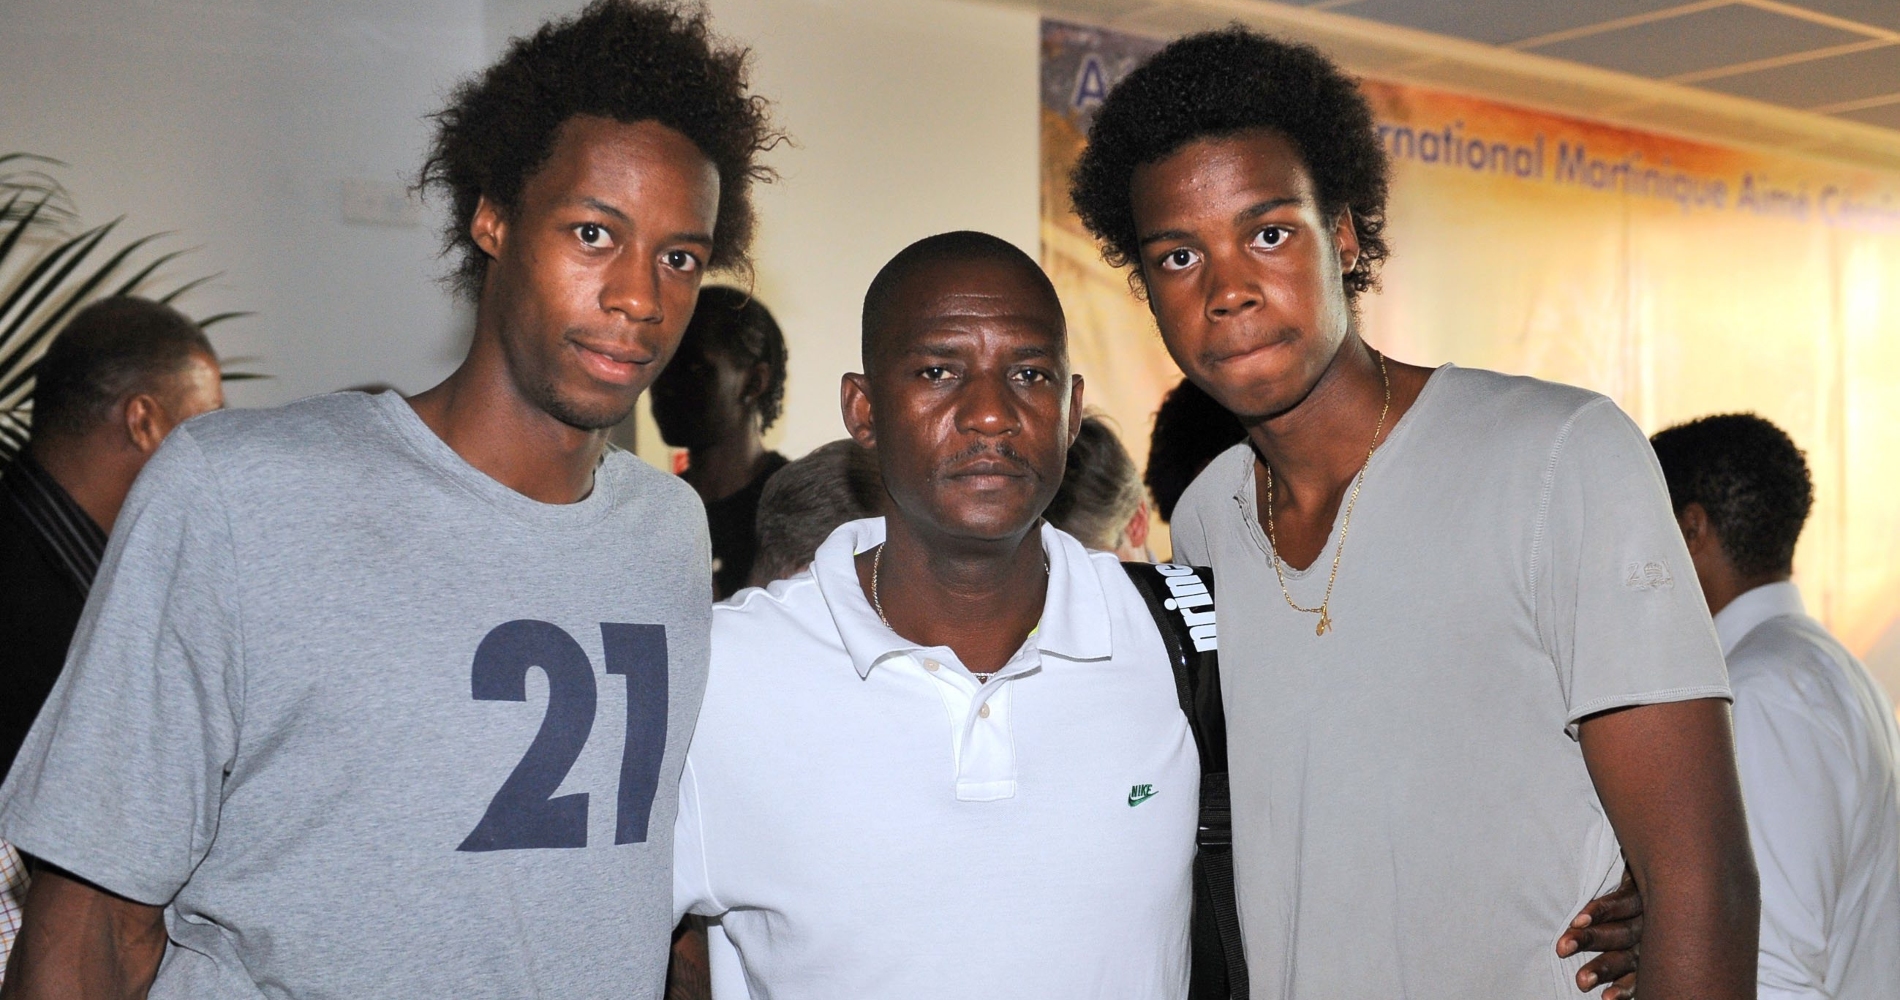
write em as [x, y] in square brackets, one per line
[1465, 669]
[294, 751]
[1815, 737]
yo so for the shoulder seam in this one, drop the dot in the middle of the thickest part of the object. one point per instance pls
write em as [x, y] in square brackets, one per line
[237, 571]
[1541, 523]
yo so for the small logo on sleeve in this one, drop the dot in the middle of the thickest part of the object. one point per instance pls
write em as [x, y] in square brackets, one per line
[1652, 575]
[1139, 794]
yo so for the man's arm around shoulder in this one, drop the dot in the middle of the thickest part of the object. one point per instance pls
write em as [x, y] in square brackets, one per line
[80, 942]
[1666, 776]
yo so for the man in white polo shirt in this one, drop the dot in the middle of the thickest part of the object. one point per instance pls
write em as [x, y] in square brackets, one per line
[948, 760]
[1815, 738]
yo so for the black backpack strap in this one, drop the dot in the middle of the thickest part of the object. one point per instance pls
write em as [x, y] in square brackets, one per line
[1181, 599]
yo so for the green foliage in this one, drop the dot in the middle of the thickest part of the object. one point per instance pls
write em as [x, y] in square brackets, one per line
[50, 266]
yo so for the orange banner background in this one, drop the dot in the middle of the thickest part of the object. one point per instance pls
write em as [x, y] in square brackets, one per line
[1679, 278]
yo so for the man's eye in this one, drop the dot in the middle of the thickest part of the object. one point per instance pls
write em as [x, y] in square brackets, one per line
[1033, 376]
[1178, 258]
[935, 373]
[593, 235]
[1272, 236]
[681, 260]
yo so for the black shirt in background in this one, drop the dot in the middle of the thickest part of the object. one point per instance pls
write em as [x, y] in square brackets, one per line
[49, 550]
[733, 522]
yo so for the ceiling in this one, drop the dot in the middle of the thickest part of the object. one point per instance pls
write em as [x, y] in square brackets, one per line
[1839, 58]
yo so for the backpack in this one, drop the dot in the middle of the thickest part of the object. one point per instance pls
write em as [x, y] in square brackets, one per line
[1181, 598]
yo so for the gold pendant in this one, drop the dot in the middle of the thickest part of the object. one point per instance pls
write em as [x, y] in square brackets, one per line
[1325, 623]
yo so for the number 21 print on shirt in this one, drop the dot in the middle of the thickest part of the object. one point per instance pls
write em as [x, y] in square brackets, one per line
[524, 812]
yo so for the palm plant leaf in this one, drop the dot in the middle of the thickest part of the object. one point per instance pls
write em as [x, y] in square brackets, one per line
[220, 317]
[15, 370]
[47, 272]
[32, 289]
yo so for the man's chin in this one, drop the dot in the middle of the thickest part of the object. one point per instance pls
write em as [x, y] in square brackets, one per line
[588, 415]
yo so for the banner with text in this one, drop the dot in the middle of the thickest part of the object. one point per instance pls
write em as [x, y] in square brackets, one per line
[1678, 277]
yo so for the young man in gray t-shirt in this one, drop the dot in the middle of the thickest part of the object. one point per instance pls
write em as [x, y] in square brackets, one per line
[380, 697]
[1466, 668]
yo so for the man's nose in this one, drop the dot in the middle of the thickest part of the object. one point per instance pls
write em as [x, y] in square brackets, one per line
[632, 289]
[987, 406]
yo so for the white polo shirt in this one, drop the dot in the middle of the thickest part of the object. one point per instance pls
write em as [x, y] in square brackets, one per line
[872, 822]
[1819, 757]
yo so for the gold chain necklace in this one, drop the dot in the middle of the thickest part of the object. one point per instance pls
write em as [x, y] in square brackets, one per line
[1325, 619]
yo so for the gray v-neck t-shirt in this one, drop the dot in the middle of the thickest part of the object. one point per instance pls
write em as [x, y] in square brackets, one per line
[1512, 567]
[368, 723]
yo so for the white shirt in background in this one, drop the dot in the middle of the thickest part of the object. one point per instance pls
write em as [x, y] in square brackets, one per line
[1818, 750]
[869, 821]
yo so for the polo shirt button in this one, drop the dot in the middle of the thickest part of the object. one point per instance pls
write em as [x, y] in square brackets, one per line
[984, 712]
[932, 665]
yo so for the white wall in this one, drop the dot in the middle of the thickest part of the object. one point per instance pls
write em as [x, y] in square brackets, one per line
[235, 124]
[911, 117]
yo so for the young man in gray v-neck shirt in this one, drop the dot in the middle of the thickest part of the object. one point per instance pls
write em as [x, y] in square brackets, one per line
[1466, 665]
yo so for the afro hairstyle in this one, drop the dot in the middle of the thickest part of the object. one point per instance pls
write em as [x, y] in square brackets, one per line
[626, 60]
[1220, 83]
[1749, 478]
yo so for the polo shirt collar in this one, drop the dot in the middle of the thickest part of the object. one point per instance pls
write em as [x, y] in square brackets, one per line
[1744, 613]
[1075, 618]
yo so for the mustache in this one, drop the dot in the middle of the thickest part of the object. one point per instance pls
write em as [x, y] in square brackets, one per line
[999, 451]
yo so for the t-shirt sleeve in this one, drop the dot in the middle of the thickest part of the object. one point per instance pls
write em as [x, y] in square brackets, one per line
[1188, 530]
[1618, 606]
[121, 777]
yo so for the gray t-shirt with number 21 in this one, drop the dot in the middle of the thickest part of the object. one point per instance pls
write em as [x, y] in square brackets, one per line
[369, 724]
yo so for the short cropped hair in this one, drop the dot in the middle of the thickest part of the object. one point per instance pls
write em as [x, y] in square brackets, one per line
[734, 323]
[806, 500]
[1751, 480]
[960, 246]
[1220, 83]
[111, 349]
[1101, 489]
[1191, 430]
[626, 60]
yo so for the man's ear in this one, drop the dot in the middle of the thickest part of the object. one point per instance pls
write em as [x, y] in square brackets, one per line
[1075, 409]
[854, 399]
[1137, 529]
[146, 422]
[1697, 532]
[754, 385]
[1346, 239]
[489, 227]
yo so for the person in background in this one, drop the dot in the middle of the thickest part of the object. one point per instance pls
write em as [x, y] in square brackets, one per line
[1100, 501]
[109, 388]
[804, 502]
[1815, 737]
[1190, 430]
[1445, 689]
[292, 752]
[717, 398]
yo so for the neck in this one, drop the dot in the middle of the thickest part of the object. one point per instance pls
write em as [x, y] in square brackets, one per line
[1721, 590]
[719, 470]
[981, 599]
[481, 414]
[93, 471]
[1322, 439]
